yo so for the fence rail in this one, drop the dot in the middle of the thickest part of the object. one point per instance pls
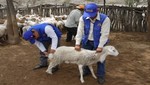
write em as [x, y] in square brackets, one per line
[47, 10]
[128, 19]
[124, 19]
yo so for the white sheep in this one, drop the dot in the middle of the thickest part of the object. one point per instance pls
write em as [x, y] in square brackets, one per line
[50, 20]
[3, 29]
[60, 24]
[25, 28]
[81, 58]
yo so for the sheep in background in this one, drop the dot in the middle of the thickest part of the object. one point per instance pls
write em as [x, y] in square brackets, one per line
[50, 20]
[25, 28]
[81, 58]
[61, 20]
[60, 25]
[20, 19]
[3, 29]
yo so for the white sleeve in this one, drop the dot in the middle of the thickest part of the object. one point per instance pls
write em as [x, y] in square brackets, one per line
[51, 33]
[80, 31]
[40, 46]
[105, 30]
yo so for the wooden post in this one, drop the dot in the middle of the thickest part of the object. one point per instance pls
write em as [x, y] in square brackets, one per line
[40, 10]
[148, 21]
[12, 28]
[1, 13]
[104, 6]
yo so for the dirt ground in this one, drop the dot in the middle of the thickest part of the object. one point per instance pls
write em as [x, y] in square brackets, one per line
[130, 67]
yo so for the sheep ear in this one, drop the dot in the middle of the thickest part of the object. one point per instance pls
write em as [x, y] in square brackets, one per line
[110, 49]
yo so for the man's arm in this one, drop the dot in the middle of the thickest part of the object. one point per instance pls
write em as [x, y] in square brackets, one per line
[105, 30]
[80, 32]
[40, 46]
[51, 33]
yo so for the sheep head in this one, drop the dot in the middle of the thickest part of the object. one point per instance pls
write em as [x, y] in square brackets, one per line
[111, 50]
[108, 50]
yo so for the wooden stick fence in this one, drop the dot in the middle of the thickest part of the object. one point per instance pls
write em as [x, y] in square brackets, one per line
[124, 19]
[127, 19]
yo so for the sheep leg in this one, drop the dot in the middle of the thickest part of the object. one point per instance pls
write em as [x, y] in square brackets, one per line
[92, 72]
[49, 70]
[81, 73]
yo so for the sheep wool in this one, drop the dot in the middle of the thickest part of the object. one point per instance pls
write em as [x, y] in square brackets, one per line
[81, 58]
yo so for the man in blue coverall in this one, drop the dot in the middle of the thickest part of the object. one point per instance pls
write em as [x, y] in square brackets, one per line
[44, 35]
[93, 31]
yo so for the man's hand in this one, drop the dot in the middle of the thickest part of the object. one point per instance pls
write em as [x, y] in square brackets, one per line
[52, 51]
[46, 53]
[98, 50]
[77, 48]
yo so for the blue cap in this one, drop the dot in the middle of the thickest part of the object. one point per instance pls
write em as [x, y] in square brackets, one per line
[28, 35]
[90, 10]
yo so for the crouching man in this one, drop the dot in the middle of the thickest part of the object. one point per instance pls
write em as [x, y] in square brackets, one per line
[43, 35]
